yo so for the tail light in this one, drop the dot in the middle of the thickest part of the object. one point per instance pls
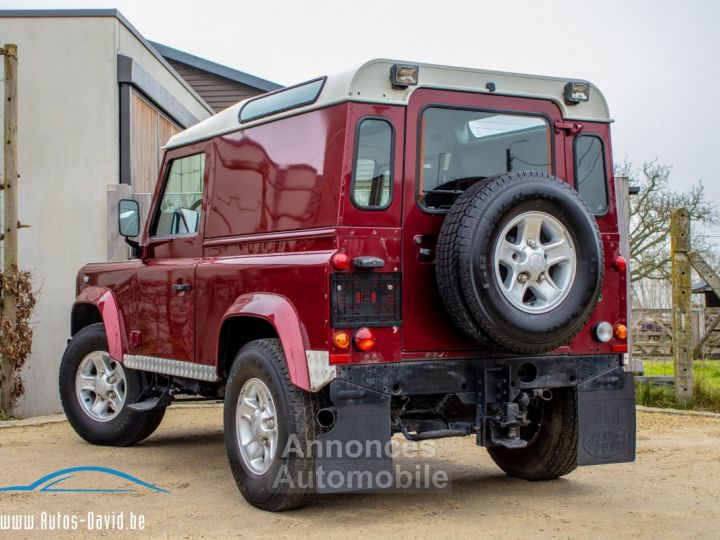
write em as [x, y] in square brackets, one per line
[621, 332]
[603, 331]
[341, 339]
[620, 264]
[364, 339]
[340, 261]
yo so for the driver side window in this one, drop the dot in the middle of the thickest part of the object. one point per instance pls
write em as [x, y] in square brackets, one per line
[181, 203]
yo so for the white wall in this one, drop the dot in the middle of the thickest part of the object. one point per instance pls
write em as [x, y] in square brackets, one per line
[66, 156]
[68, 153]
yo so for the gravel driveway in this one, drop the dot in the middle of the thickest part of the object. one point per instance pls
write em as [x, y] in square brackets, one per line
[671, 491]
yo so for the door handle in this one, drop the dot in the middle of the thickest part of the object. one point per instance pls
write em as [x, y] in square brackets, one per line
[368, 262]
[181, 287]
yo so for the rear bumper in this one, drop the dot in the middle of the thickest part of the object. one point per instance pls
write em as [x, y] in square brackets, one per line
[466, 375]
[364, 399]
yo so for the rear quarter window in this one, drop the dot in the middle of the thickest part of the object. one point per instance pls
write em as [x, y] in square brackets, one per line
[372, 168]
[590, 173]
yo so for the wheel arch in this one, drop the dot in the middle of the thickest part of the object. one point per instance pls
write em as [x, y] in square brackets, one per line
[98, 304]
[84, 314]
[264, 315]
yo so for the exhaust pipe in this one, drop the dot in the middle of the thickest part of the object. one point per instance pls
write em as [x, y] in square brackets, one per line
[326, 417]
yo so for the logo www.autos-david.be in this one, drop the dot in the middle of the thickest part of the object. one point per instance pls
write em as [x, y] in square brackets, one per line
[86, 480]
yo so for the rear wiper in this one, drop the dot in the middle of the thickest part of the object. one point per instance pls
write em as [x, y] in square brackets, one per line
[444, 195]
[457, 185]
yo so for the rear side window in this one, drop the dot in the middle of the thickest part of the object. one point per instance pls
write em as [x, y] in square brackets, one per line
[282, 100]
[590, 174]
[372, 169]
[181, 202]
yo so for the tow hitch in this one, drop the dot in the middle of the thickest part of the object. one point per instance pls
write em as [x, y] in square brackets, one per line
[498, 420]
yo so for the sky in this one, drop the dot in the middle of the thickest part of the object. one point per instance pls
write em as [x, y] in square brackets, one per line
[657, 62]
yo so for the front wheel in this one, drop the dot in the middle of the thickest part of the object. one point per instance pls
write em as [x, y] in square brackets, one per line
[552, 438]
[95, 392]
[269, 425]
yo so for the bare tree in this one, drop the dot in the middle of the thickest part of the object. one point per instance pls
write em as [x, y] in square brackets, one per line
[650, 219]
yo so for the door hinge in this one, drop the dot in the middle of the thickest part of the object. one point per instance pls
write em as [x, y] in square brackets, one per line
[571, 127]
[181, 287]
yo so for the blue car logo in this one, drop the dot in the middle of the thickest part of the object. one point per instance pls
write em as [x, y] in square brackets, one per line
[53, 482]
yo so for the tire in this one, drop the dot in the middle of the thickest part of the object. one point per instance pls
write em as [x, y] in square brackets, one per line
[552, 441]
[260, 367]
[448, 277]
[480, 283]
[122, 426]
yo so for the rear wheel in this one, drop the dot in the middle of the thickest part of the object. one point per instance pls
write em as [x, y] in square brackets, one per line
[95, 391]
[552, 438]
[269, 424]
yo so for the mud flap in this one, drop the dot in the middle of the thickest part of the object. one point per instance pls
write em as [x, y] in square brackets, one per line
[356, 453]
[606, 419]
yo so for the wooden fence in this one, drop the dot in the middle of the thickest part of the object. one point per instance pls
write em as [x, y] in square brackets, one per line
[652, 333]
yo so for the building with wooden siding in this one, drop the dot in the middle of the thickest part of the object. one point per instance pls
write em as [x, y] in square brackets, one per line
[220, 86]
[97, 102]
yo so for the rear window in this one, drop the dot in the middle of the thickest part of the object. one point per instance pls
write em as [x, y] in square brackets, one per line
[590, 177]
[461, 146]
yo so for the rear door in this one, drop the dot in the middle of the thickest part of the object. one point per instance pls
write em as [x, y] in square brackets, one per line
[453, 138]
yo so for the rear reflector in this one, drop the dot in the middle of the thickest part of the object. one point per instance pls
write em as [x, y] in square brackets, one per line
[620, 264]
[620, 348]
[339, 358]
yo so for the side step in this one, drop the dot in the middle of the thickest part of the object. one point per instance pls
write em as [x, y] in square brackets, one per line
[157, 402]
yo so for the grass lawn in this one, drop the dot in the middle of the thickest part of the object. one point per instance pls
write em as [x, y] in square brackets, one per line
[707, 386]
[705, 370]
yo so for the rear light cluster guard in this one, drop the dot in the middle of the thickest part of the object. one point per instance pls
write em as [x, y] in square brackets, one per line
[365, 299]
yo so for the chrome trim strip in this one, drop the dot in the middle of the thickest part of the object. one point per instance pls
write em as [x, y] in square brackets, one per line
[278, 236]
[167, 366]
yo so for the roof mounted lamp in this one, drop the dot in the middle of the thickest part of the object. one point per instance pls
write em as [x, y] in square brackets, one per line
[575, 92]
[403, 75]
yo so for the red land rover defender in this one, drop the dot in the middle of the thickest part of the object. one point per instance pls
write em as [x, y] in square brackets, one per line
[413, 249]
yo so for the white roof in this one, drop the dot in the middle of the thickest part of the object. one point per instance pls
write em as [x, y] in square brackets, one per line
[370, 83]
